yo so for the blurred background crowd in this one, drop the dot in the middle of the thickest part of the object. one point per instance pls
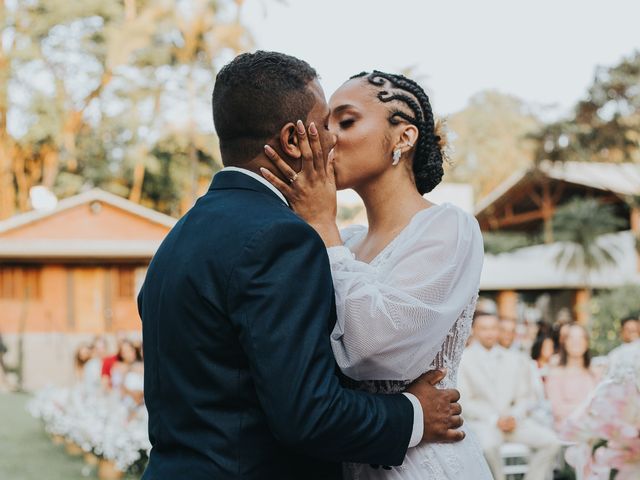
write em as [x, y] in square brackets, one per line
[519, 387]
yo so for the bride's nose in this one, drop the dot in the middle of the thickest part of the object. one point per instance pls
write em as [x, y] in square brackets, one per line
[334, 140]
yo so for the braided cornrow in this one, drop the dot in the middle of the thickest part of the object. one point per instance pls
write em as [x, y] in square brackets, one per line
[428, 158]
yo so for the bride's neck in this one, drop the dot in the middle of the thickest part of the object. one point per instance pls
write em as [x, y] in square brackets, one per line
[390, 201]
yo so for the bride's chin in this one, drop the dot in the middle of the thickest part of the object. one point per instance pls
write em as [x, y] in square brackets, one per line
[340, 185]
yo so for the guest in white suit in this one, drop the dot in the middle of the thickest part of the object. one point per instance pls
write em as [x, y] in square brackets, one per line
[497, 394]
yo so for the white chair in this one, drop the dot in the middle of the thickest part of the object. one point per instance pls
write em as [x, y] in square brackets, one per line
[515, 458]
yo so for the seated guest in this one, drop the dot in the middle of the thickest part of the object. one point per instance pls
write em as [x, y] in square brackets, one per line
[508, 329]
[541, 352]
[560, 330]
[497, 395]
[82, 356]
[108, 361]
[630, 329]
[93, 367]
[133, 383]
[538, 408]
[3, 368]
[629, 334]
[128, 356]
[571, 382]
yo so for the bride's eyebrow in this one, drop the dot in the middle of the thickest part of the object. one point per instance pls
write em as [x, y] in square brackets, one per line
[341, 108]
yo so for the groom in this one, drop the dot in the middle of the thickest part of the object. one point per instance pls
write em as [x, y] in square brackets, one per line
[237, 307]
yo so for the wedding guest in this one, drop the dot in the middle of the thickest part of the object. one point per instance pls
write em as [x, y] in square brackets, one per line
[630, 328]
[128, 355]
[538, 407]
[82, 356]
[3, 350]
[508, 330]
[541, 352]
[560, 330]
[569, 383]
[3, 369]
[93, 368]
[497, 397]
[108, 362]
[629, 334]
[133, 384]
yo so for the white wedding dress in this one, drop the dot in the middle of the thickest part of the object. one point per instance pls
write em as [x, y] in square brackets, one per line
[404, 313]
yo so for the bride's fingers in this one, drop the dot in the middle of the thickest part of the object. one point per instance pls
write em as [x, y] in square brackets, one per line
[305, 148]
[280, 164]
[316, 148]
[330, 164]
[276, 182]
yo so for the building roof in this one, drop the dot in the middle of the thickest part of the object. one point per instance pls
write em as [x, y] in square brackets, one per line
[618, 178]
[540, 268]
[69, 232]
[87, 197]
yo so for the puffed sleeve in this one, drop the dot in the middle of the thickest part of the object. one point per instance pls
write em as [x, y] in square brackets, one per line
[393, 318]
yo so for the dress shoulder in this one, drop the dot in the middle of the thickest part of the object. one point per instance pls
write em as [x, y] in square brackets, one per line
[442, 230]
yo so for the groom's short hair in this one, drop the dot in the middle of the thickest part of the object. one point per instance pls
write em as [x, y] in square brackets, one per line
[254, 96]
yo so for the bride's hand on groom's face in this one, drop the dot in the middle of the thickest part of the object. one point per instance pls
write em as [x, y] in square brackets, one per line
[311, 192]
[441, 410]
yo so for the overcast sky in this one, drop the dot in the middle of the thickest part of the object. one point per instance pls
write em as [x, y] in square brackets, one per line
[543, 51]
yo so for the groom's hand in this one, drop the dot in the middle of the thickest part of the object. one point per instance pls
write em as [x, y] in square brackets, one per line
[441, 410]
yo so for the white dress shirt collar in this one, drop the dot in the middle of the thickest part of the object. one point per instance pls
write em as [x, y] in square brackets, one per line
[257, 177]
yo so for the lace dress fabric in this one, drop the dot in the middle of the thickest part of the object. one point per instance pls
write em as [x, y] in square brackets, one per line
[406, 312]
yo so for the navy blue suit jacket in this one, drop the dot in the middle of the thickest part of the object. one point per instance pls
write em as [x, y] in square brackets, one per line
[240, 379]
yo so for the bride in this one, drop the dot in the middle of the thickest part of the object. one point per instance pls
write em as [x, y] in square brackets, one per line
[407, 285]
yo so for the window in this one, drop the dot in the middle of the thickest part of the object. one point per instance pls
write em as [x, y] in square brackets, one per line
[31, 279]
[16, 283]
[8, 283]
[126, 282]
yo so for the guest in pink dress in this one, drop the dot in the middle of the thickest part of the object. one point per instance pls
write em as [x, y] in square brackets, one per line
[571, 382]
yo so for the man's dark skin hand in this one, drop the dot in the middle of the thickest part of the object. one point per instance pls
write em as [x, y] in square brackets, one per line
[440, 408]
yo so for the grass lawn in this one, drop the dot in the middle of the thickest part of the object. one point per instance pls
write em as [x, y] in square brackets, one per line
[27, 453]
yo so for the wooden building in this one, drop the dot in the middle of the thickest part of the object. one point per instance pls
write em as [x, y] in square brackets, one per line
[526, 203]
[71, 273]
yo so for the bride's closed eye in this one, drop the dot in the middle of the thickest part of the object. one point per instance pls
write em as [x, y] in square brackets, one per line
[344, 124]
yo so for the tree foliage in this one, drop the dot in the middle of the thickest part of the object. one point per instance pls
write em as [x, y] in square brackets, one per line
[605, 125]
[608, 308]
[95, 89]
[579, 224]
[491, 140]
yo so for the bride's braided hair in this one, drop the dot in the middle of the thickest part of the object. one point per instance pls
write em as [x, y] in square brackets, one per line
[429, 154]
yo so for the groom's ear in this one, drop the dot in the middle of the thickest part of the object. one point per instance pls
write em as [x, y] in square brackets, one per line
[289, 141]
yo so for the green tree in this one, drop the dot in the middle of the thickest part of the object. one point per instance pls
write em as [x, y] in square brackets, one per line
[605, 125]
[608, 308]
[579, 224]
[491, 140]
[100, 83]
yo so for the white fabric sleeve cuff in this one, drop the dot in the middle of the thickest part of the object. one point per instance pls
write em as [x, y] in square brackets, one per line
[418, 425]
[339, 253]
